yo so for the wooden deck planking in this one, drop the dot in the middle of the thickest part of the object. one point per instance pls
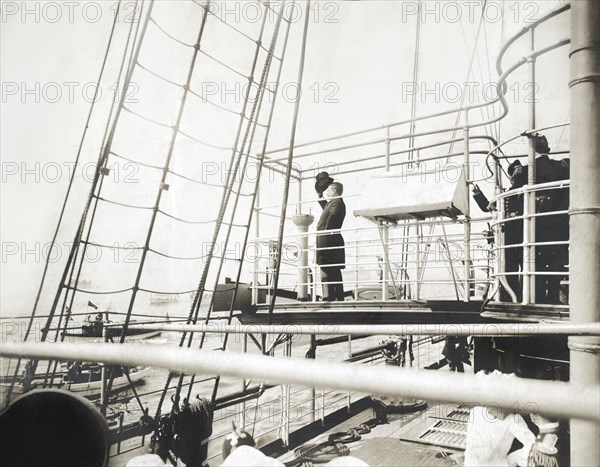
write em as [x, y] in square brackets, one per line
[384, 446]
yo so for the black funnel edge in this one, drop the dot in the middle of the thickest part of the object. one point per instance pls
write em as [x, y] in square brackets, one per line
[52, 427]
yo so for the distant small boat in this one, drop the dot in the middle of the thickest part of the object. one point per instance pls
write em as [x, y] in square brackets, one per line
[81, 283]
[161, 298]
[94, 327]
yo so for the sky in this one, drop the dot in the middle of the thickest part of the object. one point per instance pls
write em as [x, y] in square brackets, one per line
[358, 74]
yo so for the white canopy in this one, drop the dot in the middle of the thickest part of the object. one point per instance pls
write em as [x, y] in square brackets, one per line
[412, 194]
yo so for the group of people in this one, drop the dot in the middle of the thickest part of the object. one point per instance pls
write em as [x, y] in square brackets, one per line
[550, 260]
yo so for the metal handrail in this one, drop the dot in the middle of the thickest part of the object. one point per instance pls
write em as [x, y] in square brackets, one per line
[552, 398]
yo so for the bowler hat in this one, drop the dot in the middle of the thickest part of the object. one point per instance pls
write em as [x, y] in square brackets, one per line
[541, 144]
[323, 182]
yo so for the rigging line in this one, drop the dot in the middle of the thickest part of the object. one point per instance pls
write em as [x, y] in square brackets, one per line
[185, 221]
[231, 179]
[289, 164]
[71, 254]
[107, 140]
[471, 60]
[71, 180]
[236, 29]
[179, 130]
[111, 247]
[148, 119]
[103, 146]
[279, 15]
[182, 292]
[108, 134]
[153, 73]
[250, 128]
[192, 317]
[183, 258]
[96, 292]
[218, 106]
[135, 161]
[223, 64]
[413, 105]
[161, 29]
[193, 180]
[159, 194]
[247, 140]
[125, 205]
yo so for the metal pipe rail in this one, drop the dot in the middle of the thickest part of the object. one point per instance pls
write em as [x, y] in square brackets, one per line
[516, 395]
[478, 329]
[500, 98]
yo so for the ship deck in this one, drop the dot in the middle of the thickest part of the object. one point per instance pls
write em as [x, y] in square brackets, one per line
[399, 442]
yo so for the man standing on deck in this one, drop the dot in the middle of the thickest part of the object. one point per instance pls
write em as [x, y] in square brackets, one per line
[331, 256]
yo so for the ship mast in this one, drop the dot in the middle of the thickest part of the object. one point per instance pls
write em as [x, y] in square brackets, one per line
[584, 213]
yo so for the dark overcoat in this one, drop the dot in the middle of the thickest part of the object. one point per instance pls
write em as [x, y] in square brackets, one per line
[331, 218]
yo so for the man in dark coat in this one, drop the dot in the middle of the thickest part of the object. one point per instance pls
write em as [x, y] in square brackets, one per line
[331, 256]
[513, 229]
[550, 258]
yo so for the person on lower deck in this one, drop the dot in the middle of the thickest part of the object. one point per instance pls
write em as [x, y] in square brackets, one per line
[331, 256]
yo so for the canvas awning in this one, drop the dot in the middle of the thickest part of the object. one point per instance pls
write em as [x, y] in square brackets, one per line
[412, 194]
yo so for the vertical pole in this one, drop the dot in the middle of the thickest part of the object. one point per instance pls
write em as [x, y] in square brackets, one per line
[242, 422]
[313, 392]
[529, 196]
[584, 214]
[418, 262]
[286, 399]
[256, 235]
[385, 263]
[384, 229]
[467, 223]
[299, 205]
[356, 270]
[387, 149]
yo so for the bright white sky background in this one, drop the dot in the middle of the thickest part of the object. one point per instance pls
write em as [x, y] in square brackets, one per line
[359, 61]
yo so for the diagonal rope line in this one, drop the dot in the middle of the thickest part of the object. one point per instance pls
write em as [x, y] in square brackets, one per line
[286, 189]
[170, 36]
[125, 205]
[155, 74]
[185, 221]
[148, 119]
[183, 258]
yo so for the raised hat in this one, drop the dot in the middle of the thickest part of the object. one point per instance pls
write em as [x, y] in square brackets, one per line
[323, 181]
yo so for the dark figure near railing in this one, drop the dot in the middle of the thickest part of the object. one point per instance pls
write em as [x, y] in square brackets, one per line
[512, 228]
[553, 228]
[331, 256]
[457, 353]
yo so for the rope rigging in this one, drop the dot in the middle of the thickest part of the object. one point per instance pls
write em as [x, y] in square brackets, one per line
[33, 364]
[289, 164]
[247, 140]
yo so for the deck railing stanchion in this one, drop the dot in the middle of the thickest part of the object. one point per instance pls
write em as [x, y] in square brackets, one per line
[467, 223]
[529, 196]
